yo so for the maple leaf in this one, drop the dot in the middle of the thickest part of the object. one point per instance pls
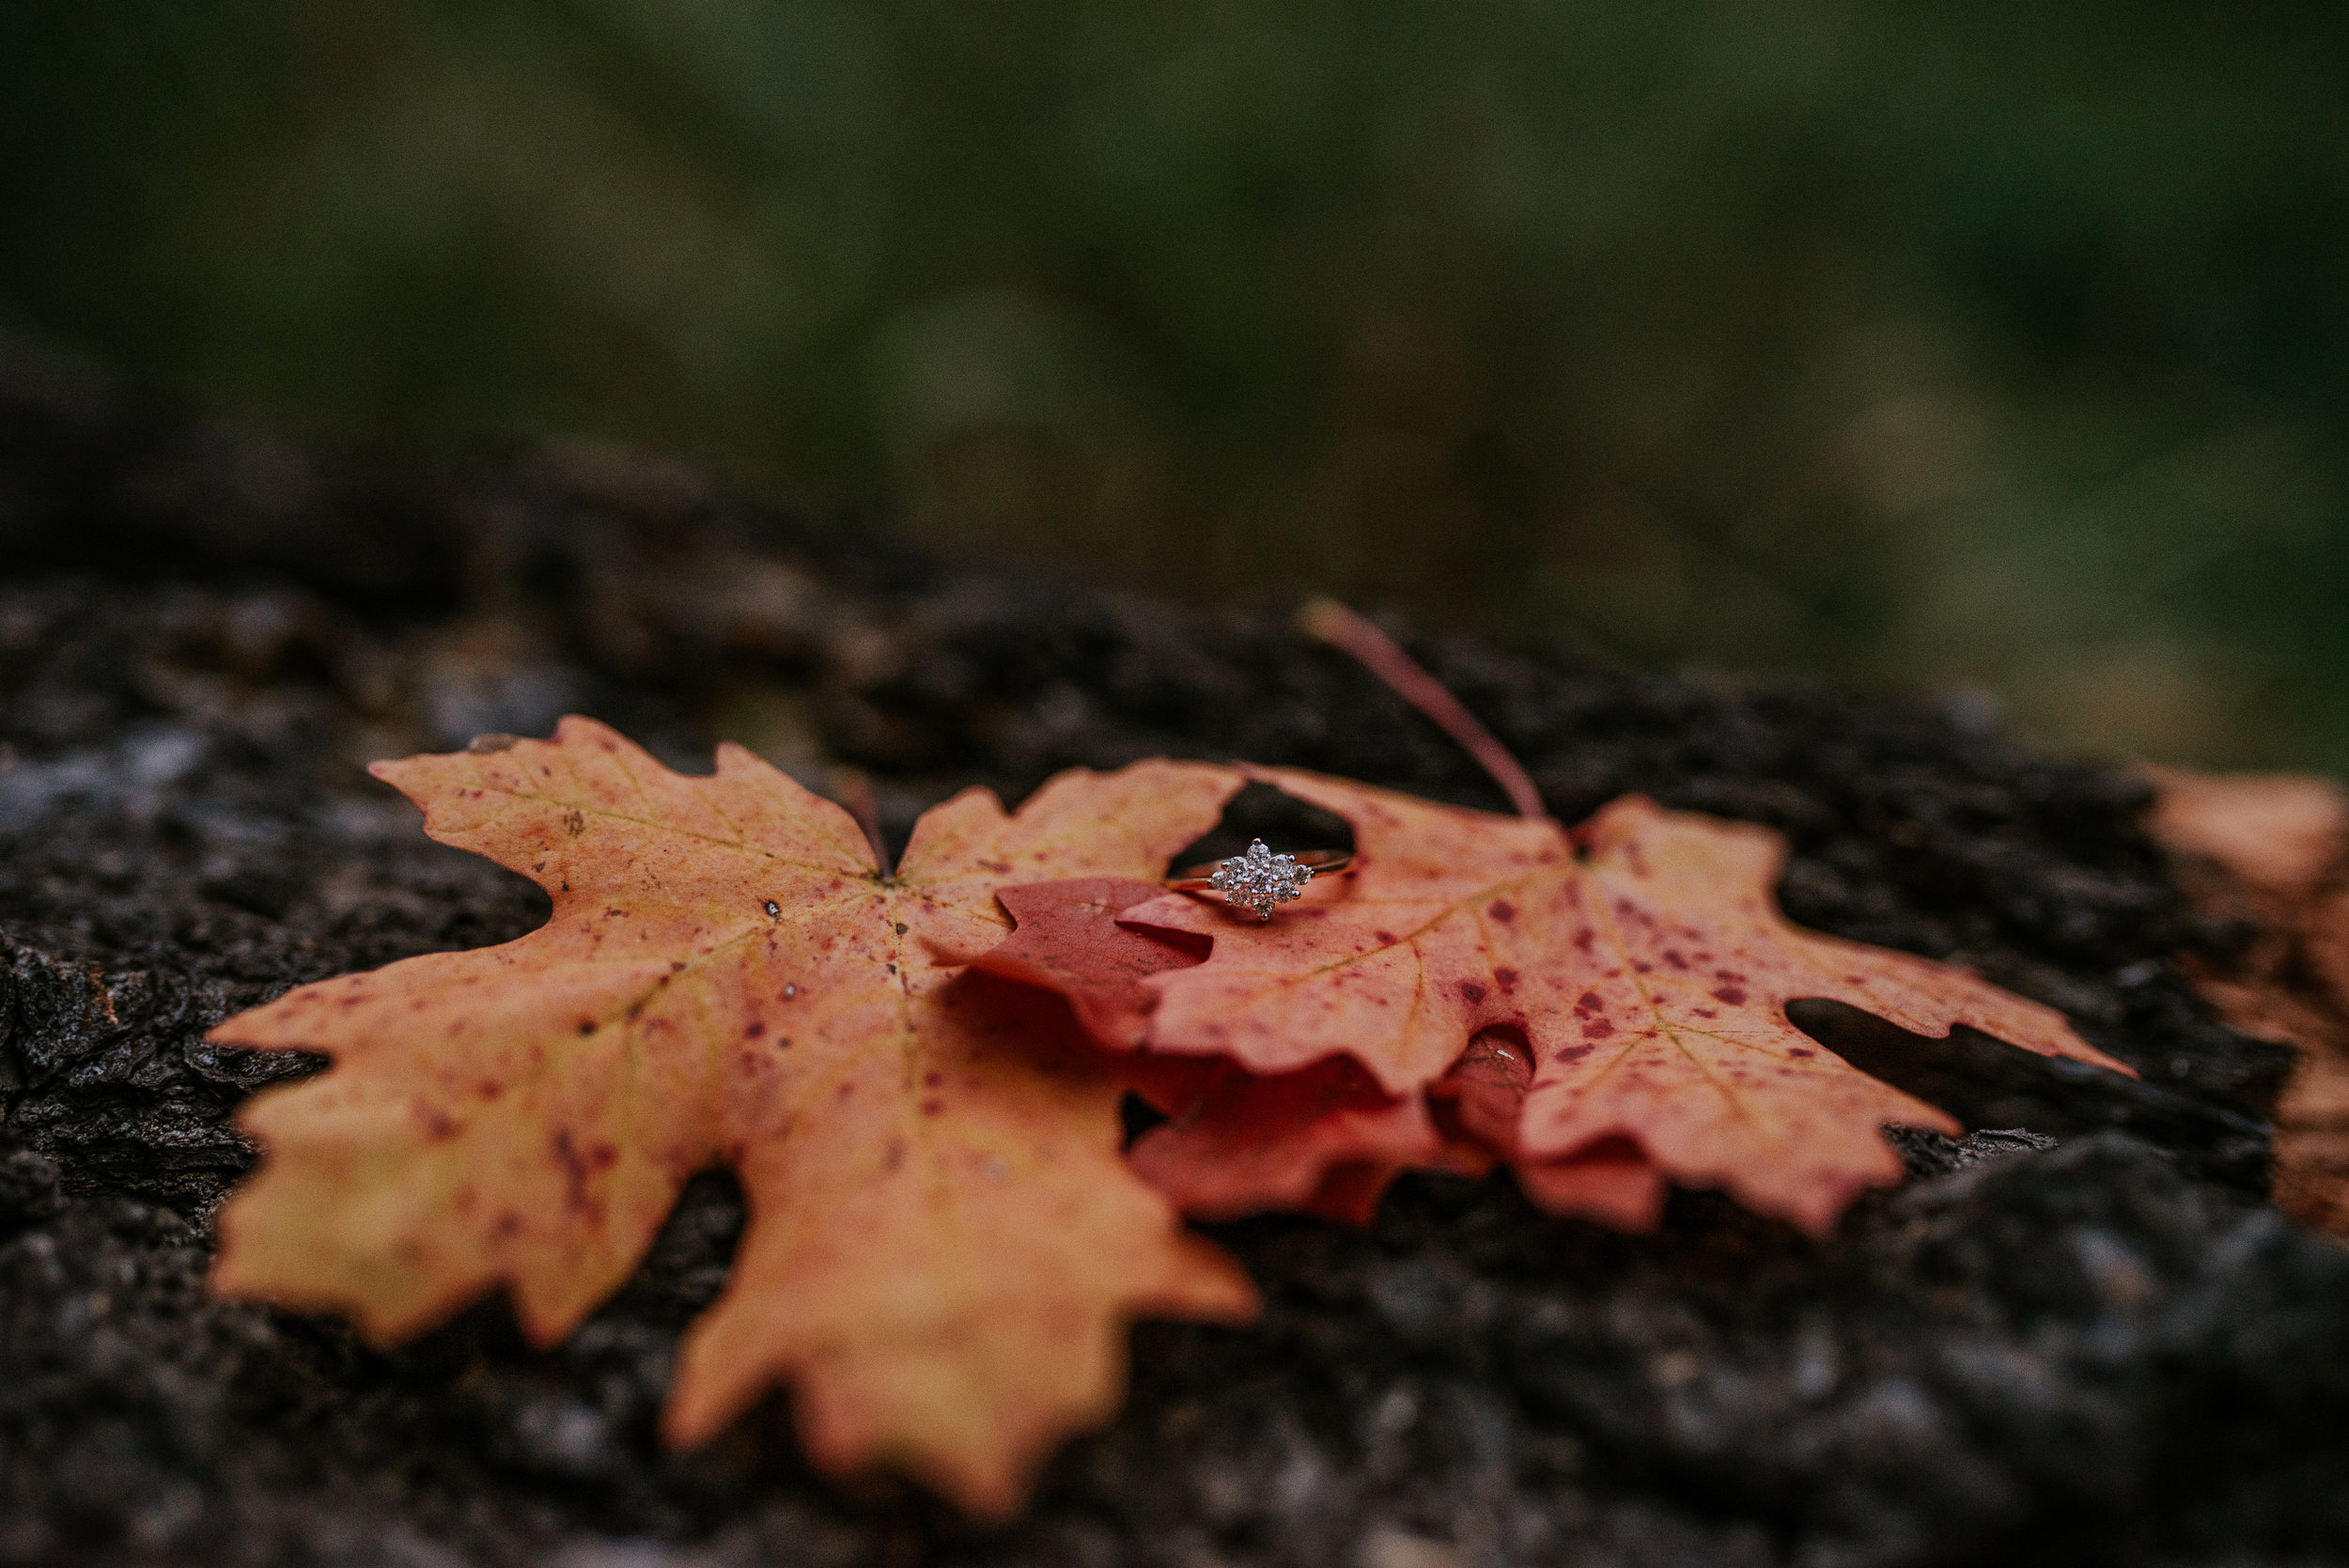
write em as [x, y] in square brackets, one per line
[2271, 852]
[1641, 964]
[1322, 1140]
[944, 1246]
[1481, 1104]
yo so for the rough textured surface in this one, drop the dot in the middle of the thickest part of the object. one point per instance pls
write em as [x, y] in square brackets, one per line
[2082, 1338]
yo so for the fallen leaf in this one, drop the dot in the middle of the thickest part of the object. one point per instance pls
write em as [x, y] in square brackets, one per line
[2284, 834]
[1323, 1140]
[1643, 963]
[1609, 1179]
[2272, 849]
[944, 1247]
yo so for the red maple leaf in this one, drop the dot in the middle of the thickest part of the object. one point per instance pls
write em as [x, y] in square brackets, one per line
[1625, 986]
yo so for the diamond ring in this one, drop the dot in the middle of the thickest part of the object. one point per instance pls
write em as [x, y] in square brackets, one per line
[1259, 879]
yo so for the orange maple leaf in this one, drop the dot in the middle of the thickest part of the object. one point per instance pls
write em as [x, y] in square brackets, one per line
[1325, 1138]
[1322, 1140]
[1626, 985]
[944, 1247]
[2272, 850]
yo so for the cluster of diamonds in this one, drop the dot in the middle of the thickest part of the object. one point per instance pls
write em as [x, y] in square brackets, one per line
[1260, 879]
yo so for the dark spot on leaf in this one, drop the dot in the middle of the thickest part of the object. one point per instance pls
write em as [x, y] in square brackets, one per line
[1729, 994]
[574, 1171]
[1507, 977]
[1598, 1029]
[1800, 1050]
[1587, 1003]
[756, 1028]
[1574, 1053]
[931, 1108]
[899, 927]
[1472, 990]
[1501, 910]
[773, 908]
[932, 1079]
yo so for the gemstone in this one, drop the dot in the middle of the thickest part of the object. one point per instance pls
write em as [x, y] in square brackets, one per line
[1259, 879]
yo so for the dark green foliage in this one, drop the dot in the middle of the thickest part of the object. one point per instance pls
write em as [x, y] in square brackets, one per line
[1961, 342]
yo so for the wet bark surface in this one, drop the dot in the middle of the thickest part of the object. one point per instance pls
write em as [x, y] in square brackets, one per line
[2078, 1335]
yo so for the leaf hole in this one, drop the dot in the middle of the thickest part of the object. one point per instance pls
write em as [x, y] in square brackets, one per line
[1285, 823]
[1980, 1079]
[1138, 1116]
[695, 1247]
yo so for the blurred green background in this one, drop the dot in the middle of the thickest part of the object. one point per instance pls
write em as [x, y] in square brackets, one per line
[1951, 343]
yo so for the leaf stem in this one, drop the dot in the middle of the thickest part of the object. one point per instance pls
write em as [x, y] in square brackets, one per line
[1326, 620]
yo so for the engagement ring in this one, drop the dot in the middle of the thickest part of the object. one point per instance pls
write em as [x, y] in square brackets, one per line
[1259, 879]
